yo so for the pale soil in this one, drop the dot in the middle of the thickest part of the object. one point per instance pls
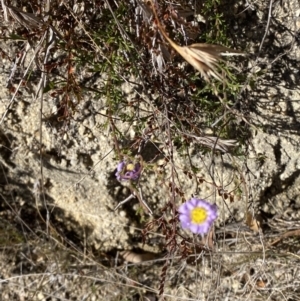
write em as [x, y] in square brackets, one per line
[81, 190]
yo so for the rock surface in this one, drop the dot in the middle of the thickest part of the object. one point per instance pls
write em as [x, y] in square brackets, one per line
[80, 188]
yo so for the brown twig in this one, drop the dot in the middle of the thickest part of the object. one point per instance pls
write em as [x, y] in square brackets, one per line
[285, 235]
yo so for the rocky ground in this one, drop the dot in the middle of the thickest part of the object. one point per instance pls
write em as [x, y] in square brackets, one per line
[63, 240]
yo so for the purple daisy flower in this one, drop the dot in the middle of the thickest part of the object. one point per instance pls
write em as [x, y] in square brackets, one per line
[128, 171]
[197, 215]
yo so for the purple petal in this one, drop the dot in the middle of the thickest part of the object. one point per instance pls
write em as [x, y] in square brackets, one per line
[120, 166]
[199, 229]
[195, 229]
[190, 205]
[183, 209]
[185, 215]
[193, 202]
[185, 224]
[123, 174]
[184, 218]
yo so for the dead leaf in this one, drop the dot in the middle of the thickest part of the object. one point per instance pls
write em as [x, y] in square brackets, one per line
[252, 222]
[134, 257]
[260, 284]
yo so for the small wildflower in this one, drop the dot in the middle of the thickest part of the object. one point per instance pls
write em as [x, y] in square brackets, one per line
[128, 171]
[197, 215]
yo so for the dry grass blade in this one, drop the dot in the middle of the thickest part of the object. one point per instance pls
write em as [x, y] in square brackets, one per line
[144, 11]
[216, 143]
[4, 11]
[203, 57]
[28, 20]
[213, 142]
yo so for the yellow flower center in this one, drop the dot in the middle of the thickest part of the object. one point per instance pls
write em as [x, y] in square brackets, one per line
[198, 215]
[130, 167]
